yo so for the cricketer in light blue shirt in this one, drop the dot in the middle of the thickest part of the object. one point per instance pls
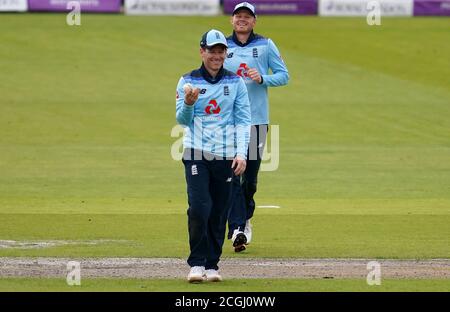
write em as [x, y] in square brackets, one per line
[219, 121]
[260, 53]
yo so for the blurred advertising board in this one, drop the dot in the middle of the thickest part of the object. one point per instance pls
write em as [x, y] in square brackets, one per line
[13, 5]
[279, 7]
[432, 7]
[359, 7]
[106, 6]
[172, 7]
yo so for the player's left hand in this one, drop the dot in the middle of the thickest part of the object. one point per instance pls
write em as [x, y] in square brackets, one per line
[240, 165]
[254, 75]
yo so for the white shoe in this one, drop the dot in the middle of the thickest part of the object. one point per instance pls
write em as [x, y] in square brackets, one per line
[213, 276]
[248, 231]
[239, 240]
[197, 274]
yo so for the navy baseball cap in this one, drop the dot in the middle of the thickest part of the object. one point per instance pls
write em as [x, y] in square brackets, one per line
[213, 37]
[244, 6]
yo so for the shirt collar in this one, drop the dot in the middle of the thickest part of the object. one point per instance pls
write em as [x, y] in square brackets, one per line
[207, 76]
[250, 39]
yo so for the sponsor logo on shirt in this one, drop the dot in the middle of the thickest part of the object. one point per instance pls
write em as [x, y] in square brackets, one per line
[242, 70]
[212, 108]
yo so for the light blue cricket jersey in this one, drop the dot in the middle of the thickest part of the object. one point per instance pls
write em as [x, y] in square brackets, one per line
[260, 53]
[219, 121]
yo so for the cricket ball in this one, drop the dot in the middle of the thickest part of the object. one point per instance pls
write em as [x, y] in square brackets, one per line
[187, 87]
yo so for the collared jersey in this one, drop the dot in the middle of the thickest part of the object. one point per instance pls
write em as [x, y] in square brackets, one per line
[260, 53]
[219, 121]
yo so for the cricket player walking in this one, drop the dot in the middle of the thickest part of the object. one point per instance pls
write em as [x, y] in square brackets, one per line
[252, 57]
[212, 104]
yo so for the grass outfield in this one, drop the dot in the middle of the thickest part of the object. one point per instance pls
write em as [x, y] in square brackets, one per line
[306, 236]
[231, 285]
[86, 114]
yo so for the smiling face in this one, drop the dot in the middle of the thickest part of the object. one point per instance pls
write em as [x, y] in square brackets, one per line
[213, 58]
[243, 21]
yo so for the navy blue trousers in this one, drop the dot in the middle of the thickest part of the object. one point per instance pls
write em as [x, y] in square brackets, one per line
[209, 192]
[244, 186]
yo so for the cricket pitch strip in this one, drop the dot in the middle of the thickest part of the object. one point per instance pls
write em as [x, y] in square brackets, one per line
[150, 268]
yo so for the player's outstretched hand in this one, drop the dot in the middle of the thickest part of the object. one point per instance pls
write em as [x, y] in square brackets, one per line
[191, 95]
[254, 75]
[238, 165]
